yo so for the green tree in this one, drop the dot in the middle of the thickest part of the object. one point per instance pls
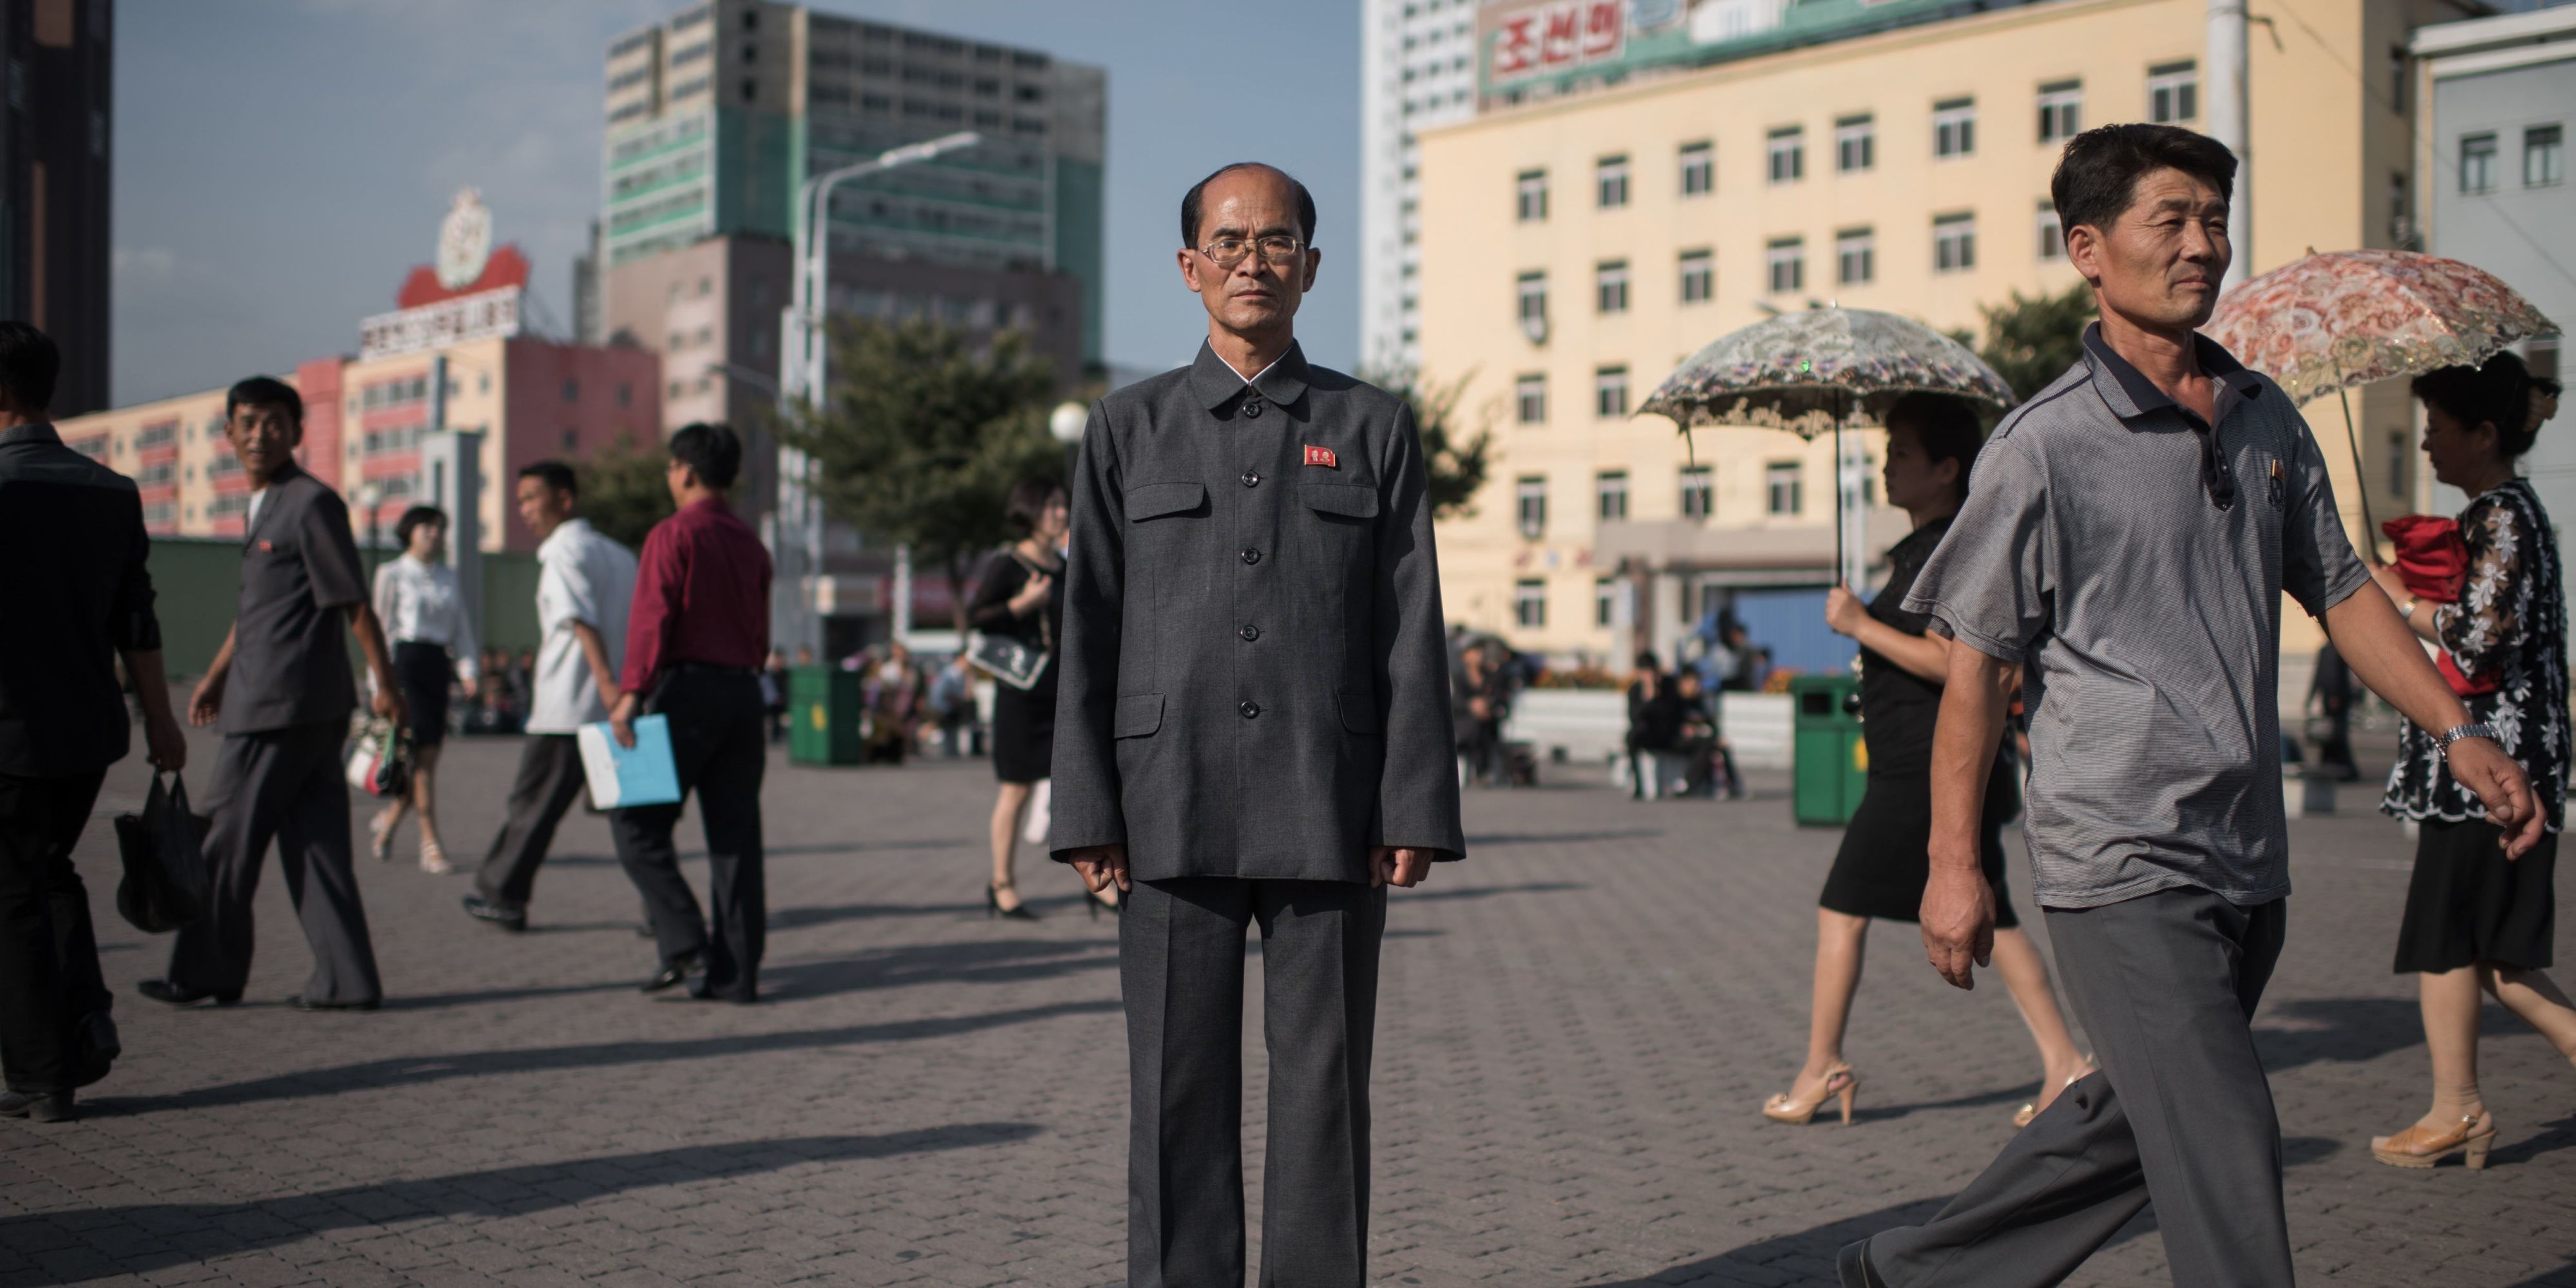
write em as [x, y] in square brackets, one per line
[2032, 340]
[924, 435]
[1456, 460]
[623, 492]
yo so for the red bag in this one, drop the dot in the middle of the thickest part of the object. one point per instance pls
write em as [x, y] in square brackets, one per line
[2433, 561]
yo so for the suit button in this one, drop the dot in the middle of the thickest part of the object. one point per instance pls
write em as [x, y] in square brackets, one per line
[1252, 556]
[1249, 633]
[1252, 408]
[1249, 709]
[1252, 478]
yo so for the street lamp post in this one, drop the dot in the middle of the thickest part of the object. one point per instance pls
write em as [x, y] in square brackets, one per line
[796, 549]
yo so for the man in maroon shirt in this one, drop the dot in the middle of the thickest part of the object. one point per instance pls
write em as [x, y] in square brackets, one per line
[695, 639]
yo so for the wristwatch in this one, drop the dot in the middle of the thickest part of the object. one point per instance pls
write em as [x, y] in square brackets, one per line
[2406, 611]
[2443, 740]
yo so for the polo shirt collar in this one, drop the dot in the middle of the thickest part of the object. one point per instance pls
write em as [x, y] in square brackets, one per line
[36, 432]
[2131, 395]
[1215, 381]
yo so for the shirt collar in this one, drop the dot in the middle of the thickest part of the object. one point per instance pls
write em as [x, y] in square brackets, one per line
[1215, 380]
[565, 534]
[37, 432]
[2131, 395]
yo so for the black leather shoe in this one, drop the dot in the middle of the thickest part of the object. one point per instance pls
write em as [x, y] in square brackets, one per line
[95, 1046]
[674, 972]
[302, 1003]
[495, 913]
[43, 1106]
[163, 991]
[1852, 1266]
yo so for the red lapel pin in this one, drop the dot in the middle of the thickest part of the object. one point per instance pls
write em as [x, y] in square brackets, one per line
[1323, 456]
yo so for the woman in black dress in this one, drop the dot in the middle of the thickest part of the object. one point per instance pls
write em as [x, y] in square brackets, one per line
[1885, 857]
[1022, 596]
[2474, 919]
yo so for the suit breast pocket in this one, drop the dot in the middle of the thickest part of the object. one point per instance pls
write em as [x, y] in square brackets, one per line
[1165, 522]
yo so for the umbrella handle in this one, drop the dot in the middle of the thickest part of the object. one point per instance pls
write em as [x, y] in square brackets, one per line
[2360, 484]
[1839, 466]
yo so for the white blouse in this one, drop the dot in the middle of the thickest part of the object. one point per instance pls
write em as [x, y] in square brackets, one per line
[418, 601]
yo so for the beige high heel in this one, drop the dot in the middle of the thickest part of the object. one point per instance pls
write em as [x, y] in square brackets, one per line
[2420, 1146]
[1839, 1081]
[433, 860]
[2030, 1108]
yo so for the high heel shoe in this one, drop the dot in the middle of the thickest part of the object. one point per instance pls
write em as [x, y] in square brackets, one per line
[433, 859]
[993, 905]
[2030, 1108]
[2421, 1146]
[1839, 1081]
[380, 837]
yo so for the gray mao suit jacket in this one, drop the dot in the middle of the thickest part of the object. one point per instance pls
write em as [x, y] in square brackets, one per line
[1254, 681]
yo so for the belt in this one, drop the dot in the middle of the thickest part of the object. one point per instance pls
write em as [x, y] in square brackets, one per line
[710, 668]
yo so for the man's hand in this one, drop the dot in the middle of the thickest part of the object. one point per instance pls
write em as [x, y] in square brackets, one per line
[2499, 784]
[208, 700]
[1843, 611]
[390, 705]
[1100, 865]
[164, 745]
[1958, 920]
[1401, 865]
[621, 720]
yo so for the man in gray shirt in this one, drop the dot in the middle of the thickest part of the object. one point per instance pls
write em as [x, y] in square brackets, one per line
[1252, 727]
[2128, 536]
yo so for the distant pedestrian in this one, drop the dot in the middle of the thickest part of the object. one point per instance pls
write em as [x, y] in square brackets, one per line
[1700, 739]
[1885, 858]
[281, 691]
[1021, 596]
[695, 637]
[432, 629]
[892, 694]
[1476, 698]
[78, 595]
[2480, 918]
[773, 695]
[585, 583]
[2331, 694]
[1654, 725]
[952, 702]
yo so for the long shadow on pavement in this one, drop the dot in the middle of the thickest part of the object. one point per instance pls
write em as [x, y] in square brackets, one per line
[2348, 1030]
[991, 961]
[159, 1236]
[406, 1071]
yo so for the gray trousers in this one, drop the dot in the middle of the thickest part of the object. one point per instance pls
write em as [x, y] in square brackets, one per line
[550, 780]
[1180, 957]
[2180, 1114]
[283, 785]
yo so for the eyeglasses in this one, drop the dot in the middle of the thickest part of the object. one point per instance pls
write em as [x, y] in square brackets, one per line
[2214, 474]
[1277, 248]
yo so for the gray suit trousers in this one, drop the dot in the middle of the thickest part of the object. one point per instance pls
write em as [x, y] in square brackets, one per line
[1180, 954]
[550, 780]
[2165, 985]
[283, 785]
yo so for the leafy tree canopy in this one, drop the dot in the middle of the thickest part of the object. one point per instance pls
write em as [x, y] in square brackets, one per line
[1457, 460]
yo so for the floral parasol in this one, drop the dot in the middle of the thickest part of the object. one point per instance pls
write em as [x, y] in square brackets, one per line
[1808, 371]
[2348, 318]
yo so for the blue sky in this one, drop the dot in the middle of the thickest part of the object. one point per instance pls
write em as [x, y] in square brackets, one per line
[280, 164]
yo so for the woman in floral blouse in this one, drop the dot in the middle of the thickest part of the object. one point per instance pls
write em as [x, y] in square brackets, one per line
[2474, 919]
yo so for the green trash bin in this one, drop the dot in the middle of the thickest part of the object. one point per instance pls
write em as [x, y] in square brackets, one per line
[1830, 765]
[823, 709]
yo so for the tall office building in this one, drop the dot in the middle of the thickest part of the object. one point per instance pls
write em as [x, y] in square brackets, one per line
[719, 114]
[55, 56]
[1418, 70]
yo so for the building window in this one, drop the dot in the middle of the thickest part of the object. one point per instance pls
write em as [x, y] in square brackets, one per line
[1605, 601]
[1788, 257]
[1610, 182]
[1855, 144]
[2173, 93]
[1533, 304]
[2398, 455]
[572, 391]
[2544, 156]
[2397, 78]
[1856, 257]
[1529, 397]
[1699, 169]
[1954, 243]
[1610, 488]
[1532, 492]
[1954, 127]
[1788, 154]
[1699, 277]
[2052, 233]
[2061, 111]
[2477, 163]
[1610, 286]
[1529, 199]
[1529, 602]
[1699, 492]
[1786, 486]
[1610, 392]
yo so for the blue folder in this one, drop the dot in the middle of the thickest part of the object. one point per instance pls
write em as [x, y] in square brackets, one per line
[623, 777]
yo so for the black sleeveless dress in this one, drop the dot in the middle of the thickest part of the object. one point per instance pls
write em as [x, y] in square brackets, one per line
[1886, 852]
[1023, 721]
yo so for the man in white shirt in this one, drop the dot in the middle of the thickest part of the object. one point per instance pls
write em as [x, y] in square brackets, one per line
[584, 583]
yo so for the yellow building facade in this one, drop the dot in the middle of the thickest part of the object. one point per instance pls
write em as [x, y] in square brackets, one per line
[1577, 248]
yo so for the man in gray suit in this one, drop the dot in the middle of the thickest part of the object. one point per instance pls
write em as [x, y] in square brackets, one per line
[1253, 727]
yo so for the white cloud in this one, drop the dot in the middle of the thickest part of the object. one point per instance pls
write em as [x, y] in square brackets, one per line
[141, 264]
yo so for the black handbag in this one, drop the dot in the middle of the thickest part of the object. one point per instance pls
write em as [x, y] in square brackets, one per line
[1009, 660]
[165, 871]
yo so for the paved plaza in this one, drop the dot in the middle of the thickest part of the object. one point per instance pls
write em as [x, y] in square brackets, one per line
[1577, 1028]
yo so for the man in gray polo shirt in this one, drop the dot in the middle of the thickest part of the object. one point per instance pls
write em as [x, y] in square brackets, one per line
[2127, 538]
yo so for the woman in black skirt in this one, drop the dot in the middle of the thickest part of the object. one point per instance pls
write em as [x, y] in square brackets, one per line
[1022, 596]
[2474, 919]
[1885, 857]
[417, 599]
